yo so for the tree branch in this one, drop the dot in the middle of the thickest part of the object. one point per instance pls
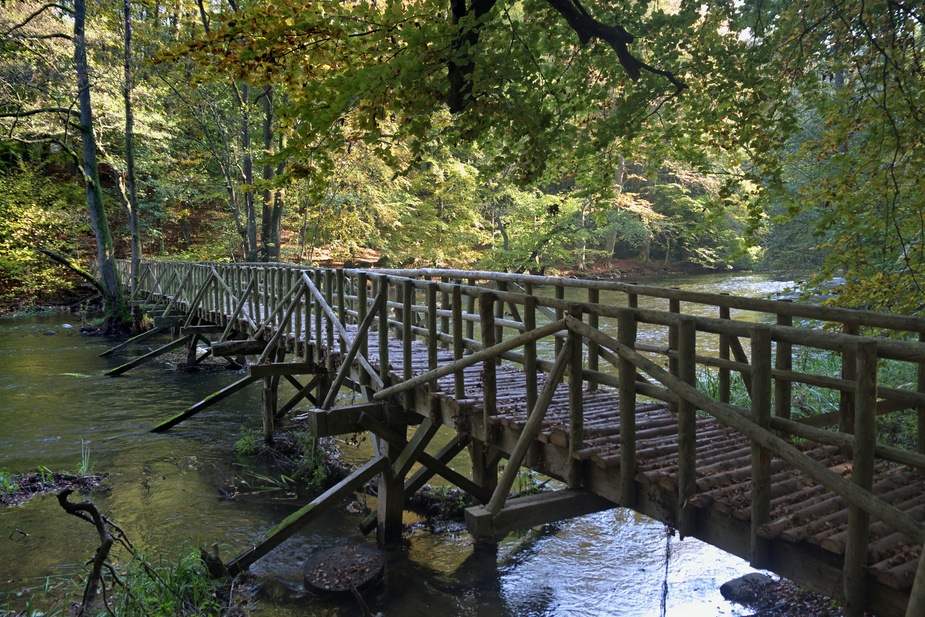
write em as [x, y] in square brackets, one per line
[588, 28]
[67, 263]
[42, 110]
[35, 14]
[102, 553]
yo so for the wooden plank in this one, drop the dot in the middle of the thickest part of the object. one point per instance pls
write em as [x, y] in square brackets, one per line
[442, 469]
[305, 516]
[760, 458]
[180, 342]
[346, 419]
[204, 403]
[471, 359]
[530, 429]
[539, 509]
[234, 348]
[304, 392]
[137, 339]
[278, 369]
[862, 475]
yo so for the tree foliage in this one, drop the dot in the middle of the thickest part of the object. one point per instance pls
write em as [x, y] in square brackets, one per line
[515, 134]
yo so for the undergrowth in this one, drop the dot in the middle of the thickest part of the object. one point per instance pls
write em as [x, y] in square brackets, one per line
[898, 428]
[159, 586]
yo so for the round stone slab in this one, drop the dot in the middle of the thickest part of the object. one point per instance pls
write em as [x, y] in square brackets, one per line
[334, 570]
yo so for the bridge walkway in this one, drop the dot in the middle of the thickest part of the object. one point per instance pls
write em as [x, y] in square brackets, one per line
[518, 375]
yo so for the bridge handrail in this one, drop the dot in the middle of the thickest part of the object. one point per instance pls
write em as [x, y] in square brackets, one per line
[290, 305]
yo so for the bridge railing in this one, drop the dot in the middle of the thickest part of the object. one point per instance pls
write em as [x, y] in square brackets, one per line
[274, 300]
[558, 328]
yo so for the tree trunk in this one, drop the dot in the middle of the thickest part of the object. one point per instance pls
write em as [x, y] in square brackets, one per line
[116, 313]
[250, 214]
[269, 227]
[131, 193]
[611, 244]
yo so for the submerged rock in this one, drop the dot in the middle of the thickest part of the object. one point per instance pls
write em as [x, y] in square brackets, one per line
[748, 589]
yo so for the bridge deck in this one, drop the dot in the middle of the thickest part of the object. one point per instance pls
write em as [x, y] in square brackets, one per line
[692, 472]
[804, 514]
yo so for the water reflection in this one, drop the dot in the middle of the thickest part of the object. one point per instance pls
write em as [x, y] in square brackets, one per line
[164, 491]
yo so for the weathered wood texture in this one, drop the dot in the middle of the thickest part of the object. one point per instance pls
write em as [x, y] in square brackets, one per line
[832, 510]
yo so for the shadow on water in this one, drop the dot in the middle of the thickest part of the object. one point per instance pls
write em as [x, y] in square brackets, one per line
[163, 490]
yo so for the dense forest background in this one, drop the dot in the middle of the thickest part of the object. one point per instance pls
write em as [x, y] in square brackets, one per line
[520, 135]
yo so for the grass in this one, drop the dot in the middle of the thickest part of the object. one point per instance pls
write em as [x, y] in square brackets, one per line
[165, 587]
[897, 429]
[11, 483]
[158, 587]
[299, 453]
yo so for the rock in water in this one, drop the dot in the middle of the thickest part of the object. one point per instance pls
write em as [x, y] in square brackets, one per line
[747, 589]
[335, 570]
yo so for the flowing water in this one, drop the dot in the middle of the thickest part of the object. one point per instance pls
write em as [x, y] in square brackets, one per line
[163, 490]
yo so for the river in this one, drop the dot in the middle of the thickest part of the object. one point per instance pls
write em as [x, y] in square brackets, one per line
[163, 490]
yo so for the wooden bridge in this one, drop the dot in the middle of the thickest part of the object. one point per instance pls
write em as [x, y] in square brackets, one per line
[514, 364]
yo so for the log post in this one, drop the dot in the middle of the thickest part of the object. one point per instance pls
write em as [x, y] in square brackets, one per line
[862, 475]
[329, 331]
[687, 426]
[470, 308]
[459, 377]
[575, 402]
[783, 361]
[921, 408]
[626, 331]
[725, 345]
[560, 295]
[594, 297]
[384, 367]
[431, 303]
[674, 306]
[269, 409]
[761, 458]
[362, 308]
[407, 337]
[530, 363]
[848, 373]
[342, 304]
[391, 495]
[484, 467]
[444, 303]
[489, 376]
[322, 392]
[499, 315]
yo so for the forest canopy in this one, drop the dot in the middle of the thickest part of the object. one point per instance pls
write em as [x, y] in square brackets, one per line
[507, 134]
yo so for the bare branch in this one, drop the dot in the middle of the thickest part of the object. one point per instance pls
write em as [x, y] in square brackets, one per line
[35, 14]
[588, 28]
[42, 110]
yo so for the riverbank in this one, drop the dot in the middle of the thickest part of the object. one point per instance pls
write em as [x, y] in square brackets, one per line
[20, 488]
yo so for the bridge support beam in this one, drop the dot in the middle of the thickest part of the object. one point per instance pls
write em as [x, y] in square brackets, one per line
[484, 466]
[533, 510]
